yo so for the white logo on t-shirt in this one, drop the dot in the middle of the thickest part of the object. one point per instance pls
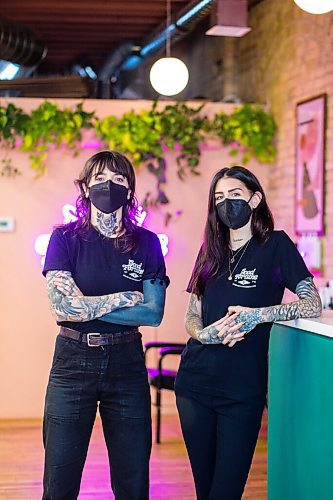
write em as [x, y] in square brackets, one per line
[132, 270]
[245, 279]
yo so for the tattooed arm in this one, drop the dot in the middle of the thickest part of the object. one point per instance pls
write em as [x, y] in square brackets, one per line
[149, 313]
[225, 326]
[68, 304]
[308, 306]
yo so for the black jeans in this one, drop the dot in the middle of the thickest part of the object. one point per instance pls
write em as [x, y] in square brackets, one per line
[81, 377]
[220, 434]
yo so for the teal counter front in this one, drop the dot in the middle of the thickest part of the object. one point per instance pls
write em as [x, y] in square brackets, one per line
[300, 410]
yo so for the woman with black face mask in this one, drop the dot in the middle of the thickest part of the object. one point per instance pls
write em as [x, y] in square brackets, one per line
[105, 278]
[236, 288]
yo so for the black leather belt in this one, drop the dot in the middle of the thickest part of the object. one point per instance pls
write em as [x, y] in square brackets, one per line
[100, 339]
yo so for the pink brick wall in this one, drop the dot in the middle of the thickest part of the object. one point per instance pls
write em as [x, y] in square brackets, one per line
[287, 58]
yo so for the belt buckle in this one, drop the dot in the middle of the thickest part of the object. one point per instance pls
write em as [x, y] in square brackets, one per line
[90, 336]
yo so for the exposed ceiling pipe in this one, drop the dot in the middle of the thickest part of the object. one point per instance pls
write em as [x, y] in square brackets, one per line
[114, 60]
[19, 45]
[109, 69]
[186, 19]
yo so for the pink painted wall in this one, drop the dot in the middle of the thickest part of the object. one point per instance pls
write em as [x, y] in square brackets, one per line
[27, 328]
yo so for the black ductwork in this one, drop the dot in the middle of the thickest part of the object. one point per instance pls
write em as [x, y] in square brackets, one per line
[19, 45]
[114, 60]
[183, 23]
[106, 89]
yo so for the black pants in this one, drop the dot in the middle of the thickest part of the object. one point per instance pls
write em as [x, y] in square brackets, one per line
[220, 436]
[80, 378]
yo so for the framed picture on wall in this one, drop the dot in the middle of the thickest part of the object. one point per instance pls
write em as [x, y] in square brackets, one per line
[310, 161]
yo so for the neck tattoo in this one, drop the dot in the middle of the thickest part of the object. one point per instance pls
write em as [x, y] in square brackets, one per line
[107, 224]
[240, 239]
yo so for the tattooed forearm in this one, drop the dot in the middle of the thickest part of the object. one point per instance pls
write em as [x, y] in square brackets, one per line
[70, 305]
[308, 305]
[194, 326]
[149, 313]
[193, 320]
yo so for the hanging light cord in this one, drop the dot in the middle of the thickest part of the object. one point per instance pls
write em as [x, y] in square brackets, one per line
[168, 22]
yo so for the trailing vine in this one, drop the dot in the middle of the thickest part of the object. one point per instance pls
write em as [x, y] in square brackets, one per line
[144, 136]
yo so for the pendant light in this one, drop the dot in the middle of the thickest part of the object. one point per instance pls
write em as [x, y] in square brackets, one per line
[168, 75]
[315, 6]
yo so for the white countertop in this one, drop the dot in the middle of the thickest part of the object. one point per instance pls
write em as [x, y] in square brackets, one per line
[322, 325]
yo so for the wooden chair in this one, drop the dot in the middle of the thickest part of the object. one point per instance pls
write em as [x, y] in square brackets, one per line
[162, 378]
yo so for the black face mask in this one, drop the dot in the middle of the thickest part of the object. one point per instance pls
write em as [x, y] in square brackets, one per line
[234, 213]
[108, 196]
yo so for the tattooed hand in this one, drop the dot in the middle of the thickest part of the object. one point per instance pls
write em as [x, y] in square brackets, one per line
[66, 285]
[224, 331]
[250, 317]
[308, 306]
[69, 304]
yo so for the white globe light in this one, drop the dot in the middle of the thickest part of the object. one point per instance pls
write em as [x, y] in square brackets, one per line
[169, 76]
[315, 6]
[41, 244]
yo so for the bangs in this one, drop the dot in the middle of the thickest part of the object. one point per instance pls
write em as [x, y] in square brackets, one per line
[112, 161]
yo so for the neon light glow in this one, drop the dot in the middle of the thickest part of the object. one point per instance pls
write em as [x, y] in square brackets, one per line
[68, 213]
[164, 240]
[41, 244]
[140, 217]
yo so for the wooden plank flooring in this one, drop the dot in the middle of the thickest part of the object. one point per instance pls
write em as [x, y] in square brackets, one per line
[21, 464]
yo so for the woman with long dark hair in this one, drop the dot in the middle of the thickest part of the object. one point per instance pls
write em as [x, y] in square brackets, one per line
[105, 278]
[236, 288]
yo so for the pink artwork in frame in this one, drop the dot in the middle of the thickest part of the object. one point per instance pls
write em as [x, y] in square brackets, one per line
[310, 145]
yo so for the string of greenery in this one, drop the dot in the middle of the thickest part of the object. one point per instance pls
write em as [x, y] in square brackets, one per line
[144, 136]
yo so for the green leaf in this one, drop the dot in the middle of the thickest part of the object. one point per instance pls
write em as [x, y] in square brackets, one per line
[143, 135]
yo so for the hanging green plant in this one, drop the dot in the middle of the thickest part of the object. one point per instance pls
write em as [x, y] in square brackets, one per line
[183, 128]
[47, 126]
[134, 134]
[250, 130]
[50, 126]
[12, 125]
[144, 136]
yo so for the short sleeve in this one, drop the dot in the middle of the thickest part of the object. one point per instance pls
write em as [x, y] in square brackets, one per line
[155, 265]
[57, 256]
[292, 266]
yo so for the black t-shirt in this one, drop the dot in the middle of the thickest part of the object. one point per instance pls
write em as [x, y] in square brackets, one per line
[259, 280]
[99, 268]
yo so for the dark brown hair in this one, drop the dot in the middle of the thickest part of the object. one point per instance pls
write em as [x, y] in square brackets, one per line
[118, 163]
[215, 246]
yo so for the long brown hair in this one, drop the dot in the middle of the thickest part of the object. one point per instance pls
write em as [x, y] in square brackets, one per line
[118, 163]
[215, 246]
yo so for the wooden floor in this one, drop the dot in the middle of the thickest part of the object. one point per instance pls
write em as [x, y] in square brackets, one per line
[21, 464]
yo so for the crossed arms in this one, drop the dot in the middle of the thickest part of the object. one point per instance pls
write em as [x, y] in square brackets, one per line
[129, 308]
